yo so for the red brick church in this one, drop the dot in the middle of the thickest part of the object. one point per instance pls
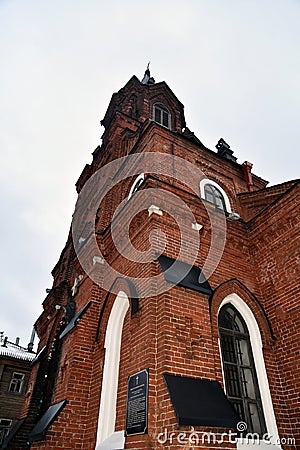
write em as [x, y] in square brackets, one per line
[173, 320]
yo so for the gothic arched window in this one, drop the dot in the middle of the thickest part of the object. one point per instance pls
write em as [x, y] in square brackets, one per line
[162, 115]
[240, 377]
[213, 195]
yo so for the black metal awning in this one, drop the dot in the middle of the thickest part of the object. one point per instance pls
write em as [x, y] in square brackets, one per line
[73, 322]
[45, 421]
[183, 274]
[38, 356]
[199, 401]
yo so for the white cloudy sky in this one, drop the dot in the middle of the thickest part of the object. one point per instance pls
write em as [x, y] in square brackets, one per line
[234, 65]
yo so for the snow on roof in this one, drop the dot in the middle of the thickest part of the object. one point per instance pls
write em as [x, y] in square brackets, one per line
[11, 350]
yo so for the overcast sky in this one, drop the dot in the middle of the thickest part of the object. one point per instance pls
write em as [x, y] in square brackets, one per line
[235, 65]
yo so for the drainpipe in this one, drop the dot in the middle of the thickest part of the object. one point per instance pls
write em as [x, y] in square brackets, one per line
[247, 166]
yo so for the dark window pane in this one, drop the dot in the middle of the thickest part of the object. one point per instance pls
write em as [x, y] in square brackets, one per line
[239, 326]
[165, 119]
[232, 381]
[248, 384]
[157, 115]
[243, 352]
[228, 350]
[226, 319]
[254, 419]
[238, 406]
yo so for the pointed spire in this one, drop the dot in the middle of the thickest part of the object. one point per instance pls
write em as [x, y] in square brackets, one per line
[147, 79]
[148, 68]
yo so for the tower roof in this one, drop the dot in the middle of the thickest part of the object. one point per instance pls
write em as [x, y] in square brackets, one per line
[136, 100]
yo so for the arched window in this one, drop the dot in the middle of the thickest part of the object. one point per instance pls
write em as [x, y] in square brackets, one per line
[161, 115]
[240, 377]
[213, 195]
[136, 185]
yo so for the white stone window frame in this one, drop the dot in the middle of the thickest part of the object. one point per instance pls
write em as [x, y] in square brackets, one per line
[16, 383]
[135, 183]
[262, 378]
[206, 181]
[107, 437]
[162, 108]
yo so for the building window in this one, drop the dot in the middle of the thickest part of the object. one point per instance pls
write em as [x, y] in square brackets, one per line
[161, 115]
[136, 185]
[5, 425]
[16, 382]
[240, 377]
[213, 195]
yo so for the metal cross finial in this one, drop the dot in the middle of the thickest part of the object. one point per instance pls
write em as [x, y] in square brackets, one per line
[147, 79]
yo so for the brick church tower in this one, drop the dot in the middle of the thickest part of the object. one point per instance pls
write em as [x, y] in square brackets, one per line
[173, 319]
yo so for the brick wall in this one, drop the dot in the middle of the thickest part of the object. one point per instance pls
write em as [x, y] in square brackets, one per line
[174, 331]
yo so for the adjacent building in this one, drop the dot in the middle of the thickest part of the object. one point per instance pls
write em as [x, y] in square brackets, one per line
[15, 367]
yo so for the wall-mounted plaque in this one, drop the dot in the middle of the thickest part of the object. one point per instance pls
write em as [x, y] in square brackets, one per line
[137, 403]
